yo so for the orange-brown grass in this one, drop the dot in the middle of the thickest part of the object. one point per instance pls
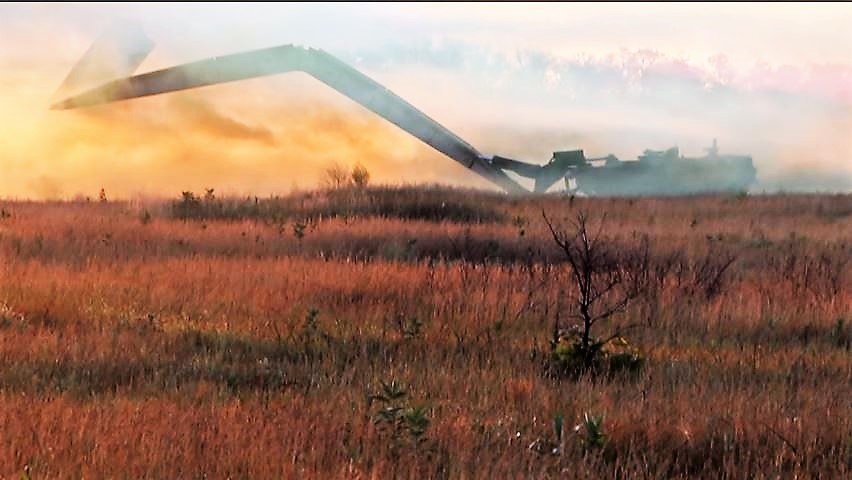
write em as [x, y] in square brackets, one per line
[154, 347]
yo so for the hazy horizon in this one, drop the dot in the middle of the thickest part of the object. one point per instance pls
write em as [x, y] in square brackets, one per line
[521, 80]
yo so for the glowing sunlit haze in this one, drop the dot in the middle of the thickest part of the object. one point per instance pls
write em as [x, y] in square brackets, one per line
[522, 80]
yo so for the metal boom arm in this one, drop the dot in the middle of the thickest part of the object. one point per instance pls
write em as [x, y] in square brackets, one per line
[320, 65]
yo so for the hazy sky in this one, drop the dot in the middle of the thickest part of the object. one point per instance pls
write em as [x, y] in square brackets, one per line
[770, 80]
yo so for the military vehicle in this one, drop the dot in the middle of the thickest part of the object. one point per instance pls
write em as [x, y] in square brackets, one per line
[117, 55]
[655, 172]
[665, 173]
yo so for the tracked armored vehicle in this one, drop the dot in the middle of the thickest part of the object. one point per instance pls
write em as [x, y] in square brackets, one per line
[663, 173]
[655, 172]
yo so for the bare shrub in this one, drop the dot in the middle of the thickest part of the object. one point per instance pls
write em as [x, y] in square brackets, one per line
[360, 176]
[607, 276]
[335, 176]
[708, 272]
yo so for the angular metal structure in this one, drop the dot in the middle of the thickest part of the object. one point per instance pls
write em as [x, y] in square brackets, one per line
[328, 70]
[117, 53]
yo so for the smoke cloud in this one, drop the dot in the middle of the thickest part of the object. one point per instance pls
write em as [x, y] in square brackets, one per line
[522, 99]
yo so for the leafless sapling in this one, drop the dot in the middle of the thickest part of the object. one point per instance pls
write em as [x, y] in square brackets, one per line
[607, 276]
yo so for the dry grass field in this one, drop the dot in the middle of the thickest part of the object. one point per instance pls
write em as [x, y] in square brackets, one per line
[406, 332]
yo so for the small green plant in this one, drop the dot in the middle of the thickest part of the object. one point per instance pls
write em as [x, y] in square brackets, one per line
[311, 326]
[417, 421]
[314, 339]
[408, 327]
[558, 425]
[546, 446]
[520, 222]
[590, 431]
[568, 356]
[840, 334]
[145, 217]
[402, 424]
[299, 230]
[9, 317]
